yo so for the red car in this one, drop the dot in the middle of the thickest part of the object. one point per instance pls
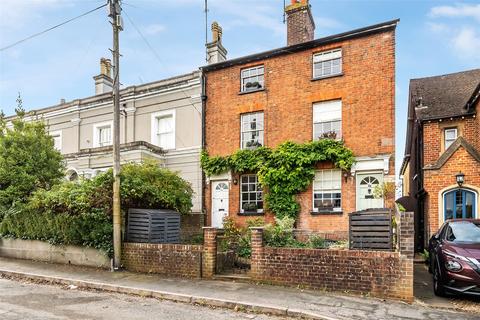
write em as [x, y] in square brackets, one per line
[455, 257]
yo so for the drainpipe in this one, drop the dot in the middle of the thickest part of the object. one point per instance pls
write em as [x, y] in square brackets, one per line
[204, 101]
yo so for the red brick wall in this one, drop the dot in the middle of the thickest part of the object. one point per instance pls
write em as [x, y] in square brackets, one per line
[168, 259]
[367, 89]
[436, 181]
[380, 274]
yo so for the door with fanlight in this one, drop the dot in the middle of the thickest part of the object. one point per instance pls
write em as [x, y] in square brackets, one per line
[219, 203]
[366, 183]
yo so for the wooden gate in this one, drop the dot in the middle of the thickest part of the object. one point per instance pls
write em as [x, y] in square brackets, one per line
[371, 229]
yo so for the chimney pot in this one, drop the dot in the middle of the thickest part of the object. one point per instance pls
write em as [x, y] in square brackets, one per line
[215, 50]
[104, 82]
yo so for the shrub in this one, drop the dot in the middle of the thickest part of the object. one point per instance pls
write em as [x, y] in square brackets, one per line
[317, 242]
[79, 213]
[280, 234]
[28, 160]
[143, 185]
[92, 229]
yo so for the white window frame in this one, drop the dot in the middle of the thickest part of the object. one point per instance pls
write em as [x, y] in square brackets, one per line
[96, 131]
[324, 57]
[154, 127]
[57, 133]
[316, 188]
[258, 188]
[333, 116]
[261, 138]
[448, 143]
[243, 84]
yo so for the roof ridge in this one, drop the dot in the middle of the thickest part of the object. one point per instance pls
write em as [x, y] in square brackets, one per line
[448, 74]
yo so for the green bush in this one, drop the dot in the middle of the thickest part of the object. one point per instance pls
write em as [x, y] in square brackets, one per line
[92, 229]
[317, 242]
[79, 213]
[143, 185]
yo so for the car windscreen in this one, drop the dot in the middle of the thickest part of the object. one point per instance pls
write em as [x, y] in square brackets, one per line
[464, 231]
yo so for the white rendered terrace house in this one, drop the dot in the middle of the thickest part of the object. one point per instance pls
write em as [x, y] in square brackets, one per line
[160, 120]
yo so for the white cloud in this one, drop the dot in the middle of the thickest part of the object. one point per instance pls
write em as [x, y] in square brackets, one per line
[460, 30]
[16, 13]
[467, 42]
[457, 11]
[154, 29]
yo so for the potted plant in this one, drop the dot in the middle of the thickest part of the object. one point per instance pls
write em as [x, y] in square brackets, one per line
[250, 207]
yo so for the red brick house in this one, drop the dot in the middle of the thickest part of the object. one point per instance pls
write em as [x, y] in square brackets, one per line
[441, 167]
[343, 83]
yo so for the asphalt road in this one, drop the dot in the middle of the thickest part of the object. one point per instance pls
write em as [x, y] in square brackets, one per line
[27, 301]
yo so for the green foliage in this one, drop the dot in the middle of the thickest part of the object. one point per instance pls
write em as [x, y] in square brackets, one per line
[28, 159]
[143, 185]
[425, 255]
[79, 213]
[147, 185]
[317, 242]
[400, 207]
[280, 234]
[92, 229]
[283, 172]
[238, 238]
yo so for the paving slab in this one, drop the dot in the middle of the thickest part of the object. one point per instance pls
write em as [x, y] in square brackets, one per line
[263, 298]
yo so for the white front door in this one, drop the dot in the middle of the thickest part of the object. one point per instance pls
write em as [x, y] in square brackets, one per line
[219, 203]
[366, 183]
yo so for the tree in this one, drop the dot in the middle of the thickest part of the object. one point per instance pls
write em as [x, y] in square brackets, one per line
[28, 158]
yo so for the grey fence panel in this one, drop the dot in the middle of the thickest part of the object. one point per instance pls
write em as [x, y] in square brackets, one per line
[371, 230]
[153, 226]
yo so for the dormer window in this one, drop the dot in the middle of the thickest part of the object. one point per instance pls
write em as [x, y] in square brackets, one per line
[450, 136]
[252, 79]
[327, 63]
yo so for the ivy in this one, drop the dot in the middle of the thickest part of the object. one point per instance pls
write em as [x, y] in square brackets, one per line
[284, 171]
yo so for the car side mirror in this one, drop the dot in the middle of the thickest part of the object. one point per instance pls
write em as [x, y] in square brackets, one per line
[436, 237]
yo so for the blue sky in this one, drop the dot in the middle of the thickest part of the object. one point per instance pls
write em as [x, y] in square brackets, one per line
[433, 37]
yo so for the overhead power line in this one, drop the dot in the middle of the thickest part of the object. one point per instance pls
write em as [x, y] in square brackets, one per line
[51, 28]
[157, 56]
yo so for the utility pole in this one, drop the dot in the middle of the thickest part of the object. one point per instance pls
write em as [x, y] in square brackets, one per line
[115, 10]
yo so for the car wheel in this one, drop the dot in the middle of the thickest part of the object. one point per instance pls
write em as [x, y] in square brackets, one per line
[438, 287]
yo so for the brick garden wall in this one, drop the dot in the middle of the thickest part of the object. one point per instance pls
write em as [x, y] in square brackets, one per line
[380, 274]
[167, 259]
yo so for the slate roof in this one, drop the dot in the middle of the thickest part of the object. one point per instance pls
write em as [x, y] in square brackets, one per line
[445, 96]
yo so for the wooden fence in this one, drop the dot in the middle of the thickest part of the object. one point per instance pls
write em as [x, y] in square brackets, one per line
[371, 230]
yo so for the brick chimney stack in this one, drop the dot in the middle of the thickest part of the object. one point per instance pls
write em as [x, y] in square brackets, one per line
[104, 81]
[300, 24]
[215, 50]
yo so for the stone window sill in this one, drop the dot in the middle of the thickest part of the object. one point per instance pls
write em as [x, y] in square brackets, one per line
[327, 77]
[250, 213]
[325, 213]
[251, 91]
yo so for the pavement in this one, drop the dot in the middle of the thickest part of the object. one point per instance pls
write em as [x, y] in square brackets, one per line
[266, 299]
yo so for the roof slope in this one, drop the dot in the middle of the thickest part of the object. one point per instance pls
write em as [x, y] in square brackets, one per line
[444, 96]
[376, 28]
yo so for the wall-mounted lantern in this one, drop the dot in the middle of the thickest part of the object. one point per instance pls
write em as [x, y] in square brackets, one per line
[460, 177]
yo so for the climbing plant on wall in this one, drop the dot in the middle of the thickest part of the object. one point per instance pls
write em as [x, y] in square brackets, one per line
[284, 171]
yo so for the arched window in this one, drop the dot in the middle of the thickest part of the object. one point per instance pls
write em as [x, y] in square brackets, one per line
[459, 203]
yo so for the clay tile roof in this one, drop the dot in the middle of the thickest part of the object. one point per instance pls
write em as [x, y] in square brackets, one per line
[446, 95]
